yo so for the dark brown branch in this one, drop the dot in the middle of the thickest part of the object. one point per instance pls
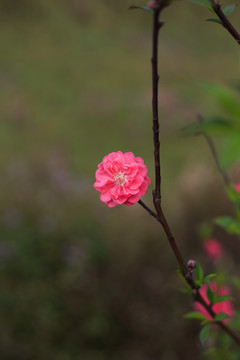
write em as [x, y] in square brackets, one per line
[225, 22]
[159, 5]
[148, 209]
[214, 153]
[155, 79]
[172, 241]
[162, 220]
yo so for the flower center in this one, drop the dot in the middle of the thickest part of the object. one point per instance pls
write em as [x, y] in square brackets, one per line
[120, 178]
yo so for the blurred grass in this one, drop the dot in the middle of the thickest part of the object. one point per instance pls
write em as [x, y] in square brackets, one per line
[80, 281]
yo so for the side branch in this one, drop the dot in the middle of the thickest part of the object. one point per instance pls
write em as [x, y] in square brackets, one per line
[214, 153]
[148, 209]
[225, 22]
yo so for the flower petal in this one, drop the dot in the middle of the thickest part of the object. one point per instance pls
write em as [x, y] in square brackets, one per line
[121, 178]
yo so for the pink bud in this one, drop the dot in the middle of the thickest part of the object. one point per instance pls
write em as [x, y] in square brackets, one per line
[237, 187]
[213, 249]
[151, 5]
[191, 265]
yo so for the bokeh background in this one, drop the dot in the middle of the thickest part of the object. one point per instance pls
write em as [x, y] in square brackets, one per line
[79, 280]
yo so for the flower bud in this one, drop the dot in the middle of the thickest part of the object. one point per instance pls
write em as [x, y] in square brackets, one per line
[191, 265]
[151, 5]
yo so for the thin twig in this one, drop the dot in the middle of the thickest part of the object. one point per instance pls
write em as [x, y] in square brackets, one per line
[225, 22]
[214, 153]
[148, 209]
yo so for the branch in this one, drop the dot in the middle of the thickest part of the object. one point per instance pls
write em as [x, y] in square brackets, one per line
[158, 7]
[156, 26]
[225, 22]
[148, 209]
[214, 153]
[162, 220]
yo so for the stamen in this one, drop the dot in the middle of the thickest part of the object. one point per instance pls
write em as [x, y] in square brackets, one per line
[120, 178]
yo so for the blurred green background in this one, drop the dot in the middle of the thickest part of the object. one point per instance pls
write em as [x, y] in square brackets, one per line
[79, 280]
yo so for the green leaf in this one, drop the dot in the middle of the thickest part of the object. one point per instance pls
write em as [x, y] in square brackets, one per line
[201, 2]
[207, 281]
[218, 21]
[221, 316]
[210, 295]
[217, 125]
[204, 333]
[144, 8]
[199, 274]
[179, 270]
[232, 194]
[205, 230]
[232, 226]
[180, 273]
[206, 321]
[230, 151]
[211, 9]
[224, 97]
[228, 10]
[222, 298]
[208, 278]
[194, 315]
[183, 290]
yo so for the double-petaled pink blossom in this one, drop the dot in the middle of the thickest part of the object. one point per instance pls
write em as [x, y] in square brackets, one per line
[121, 178]
[220, 307]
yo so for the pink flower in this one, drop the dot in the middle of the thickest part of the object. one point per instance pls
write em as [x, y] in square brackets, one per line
[213, 249]
[121, 178]
[237, 187]
[221, 307]
[151, 4]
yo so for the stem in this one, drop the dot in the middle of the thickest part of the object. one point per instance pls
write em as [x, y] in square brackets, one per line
[225, 22]
[148, 209]
[162, 220]
[155, 79]
[214, 153]
[159, 216]
[157, 192]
